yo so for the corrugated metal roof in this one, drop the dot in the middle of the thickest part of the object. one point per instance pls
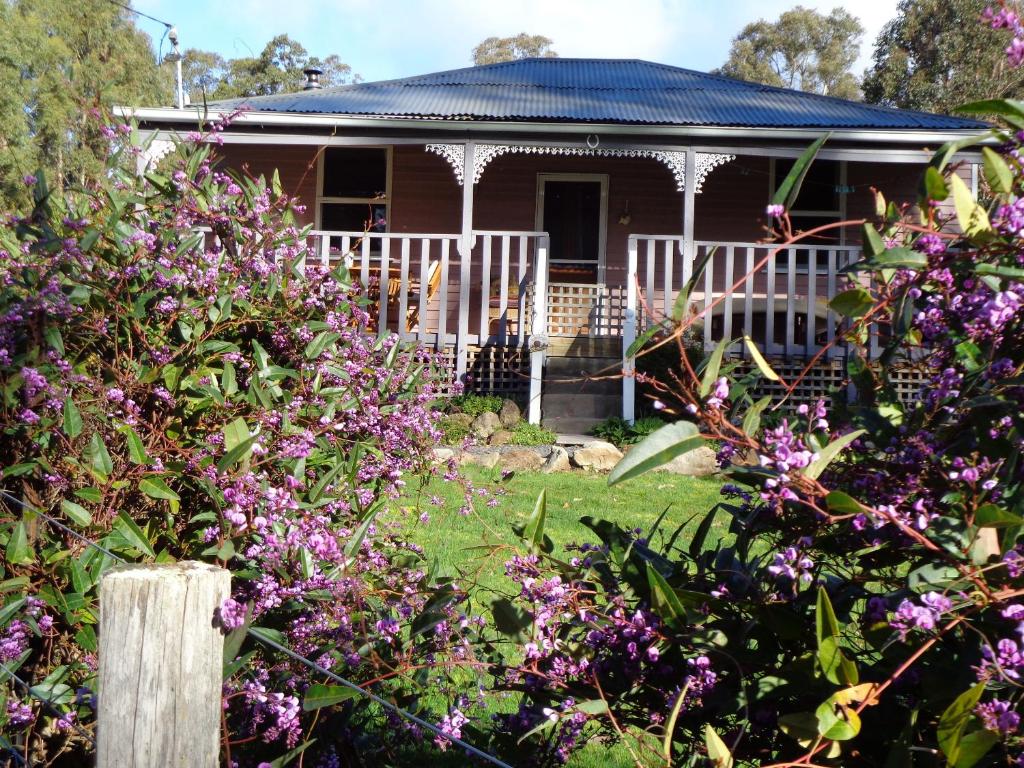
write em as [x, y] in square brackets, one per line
[598, 91]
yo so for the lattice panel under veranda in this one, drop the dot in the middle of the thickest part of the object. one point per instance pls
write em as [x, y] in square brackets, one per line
[579, 309]
[492, 370]
[817, 384]
[498, 371]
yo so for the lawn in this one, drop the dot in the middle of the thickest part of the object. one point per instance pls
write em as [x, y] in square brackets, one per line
[474, 547]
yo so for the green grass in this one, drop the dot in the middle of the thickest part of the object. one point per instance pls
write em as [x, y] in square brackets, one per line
[475, 547]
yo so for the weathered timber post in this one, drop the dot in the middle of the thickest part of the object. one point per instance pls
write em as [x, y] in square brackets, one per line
[161, 661]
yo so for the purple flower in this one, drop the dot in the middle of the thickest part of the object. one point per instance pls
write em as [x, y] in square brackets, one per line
[232, 614]
[998, 716]
[775, 210]
[925, 616]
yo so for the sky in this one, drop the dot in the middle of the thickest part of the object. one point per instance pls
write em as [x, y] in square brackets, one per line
[399, 38]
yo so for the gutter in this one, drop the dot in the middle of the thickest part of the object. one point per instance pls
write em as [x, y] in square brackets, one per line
[193, 116]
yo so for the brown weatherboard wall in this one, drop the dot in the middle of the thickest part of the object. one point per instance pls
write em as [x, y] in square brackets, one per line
[425, 197]
[296, 167]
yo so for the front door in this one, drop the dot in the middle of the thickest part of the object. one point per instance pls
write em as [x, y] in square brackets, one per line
[573, 210]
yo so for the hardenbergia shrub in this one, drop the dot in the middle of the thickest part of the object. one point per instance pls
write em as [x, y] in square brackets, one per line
[174, 385]
[867, 608]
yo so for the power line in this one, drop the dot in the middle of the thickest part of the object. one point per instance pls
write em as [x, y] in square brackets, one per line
[139, 13]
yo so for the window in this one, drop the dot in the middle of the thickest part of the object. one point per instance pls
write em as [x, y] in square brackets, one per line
[822, 200]
[354, 190]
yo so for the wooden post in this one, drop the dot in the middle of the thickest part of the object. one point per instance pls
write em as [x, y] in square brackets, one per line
[539, 328]
[629, 331]
[160, 666]
[465, 264]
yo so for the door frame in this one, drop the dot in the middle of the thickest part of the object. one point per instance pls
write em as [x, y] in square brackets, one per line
[602, 235]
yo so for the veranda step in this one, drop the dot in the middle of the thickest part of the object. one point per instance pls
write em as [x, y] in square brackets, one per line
[571, 375]
[577, 429]
[580, 406]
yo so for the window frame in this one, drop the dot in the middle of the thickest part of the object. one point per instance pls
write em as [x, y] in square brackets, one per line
[321, 198]
[782, 265]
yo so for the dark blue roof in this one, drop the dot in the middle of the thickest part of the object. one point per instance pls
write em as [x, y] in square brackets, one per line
[597, 91]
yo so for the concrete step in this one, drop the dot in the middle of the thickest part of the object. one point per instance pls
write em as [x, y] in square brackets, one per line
[580, 406]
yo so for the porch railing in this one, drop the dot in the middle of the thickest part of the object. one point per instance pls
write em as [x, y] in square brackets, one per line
[783, 306]
[421, 287]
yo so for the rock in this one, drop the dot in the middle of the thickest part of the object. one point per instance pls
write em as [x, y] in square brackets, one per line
[558, 461]
[459, 418]
[442, 455]
[501, 437]
[700, 462]
[597, 455]
[509, 414]
[521, 460]
[485, 425]
[480, 457]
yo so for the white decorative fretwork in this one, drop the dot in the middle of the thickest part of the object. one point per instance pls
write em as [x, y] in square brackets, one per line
[706, 163]
[484, 154]
[153, 153]
[455, 154]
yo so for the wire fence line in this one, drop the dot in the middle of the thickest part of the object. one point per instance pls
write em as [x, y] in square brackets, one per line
[258, 637]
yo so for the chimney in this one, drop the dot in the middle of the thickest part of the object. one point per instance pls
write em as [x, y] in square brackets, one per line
[312, 78]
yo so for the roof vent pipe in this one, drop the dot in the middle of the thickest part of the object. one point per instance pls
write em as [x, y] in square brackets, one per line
[312, 78]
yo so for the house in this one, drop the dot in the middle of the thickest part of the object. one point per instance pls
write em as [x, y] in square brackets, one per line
[530, 218]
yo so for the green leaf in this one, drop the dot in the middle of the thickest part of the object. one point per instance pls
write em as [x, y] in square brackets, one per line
[718, 752]
[825, 621]
[935, 186]
[238, 442]
[131, 532]
[1005, 108]
[320, 342]
[974, 746]
[98, 456]
[954, 720]
[997, 172]
[356, 540]
[835, 666]
[838, 723]
[533, 531]
[752, 418]
[76, 512]
[664, 601]
[641, 341]
[72, 419]
[510, 619]
[998, 269]
[971, 216]
[154, 487]
[18, 550]
[682, 302]
[713, 367]
[241, 452]
[136, 449]
[992, 516]
[290, 755]
[893, 258]
[843, 504]
[873, 242]
[829, 452]
[657, 449]
[759, 361]
[318, 696]
[854, 302]
[788, 191]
